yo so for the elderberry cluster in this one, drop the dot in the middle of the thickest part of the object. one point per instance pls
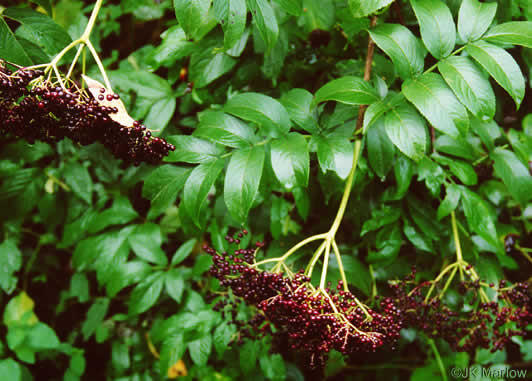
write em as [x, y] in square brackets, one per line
[48, 113]
[475, 323]
[313, 321]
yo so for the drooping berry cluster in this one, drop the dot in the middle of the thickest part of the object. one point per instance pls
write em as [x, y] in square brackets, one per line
[48, 113]
[314, 321]
[474, 323]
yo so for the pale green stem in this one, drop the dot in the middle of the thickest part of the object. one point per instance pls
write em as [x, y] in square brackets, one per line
[449, 280]
[315, 258]
[458, 248]
[100, 66]
[448, 268]
[325, 264]
[71, 69]
[347, 192]
[340, 265]
[88, 29]
[438, 359]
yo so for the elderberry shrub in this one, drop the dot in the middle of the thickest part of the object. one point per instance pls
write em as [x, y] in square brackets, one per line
[314, 321]
[48, 113]
[488, 325]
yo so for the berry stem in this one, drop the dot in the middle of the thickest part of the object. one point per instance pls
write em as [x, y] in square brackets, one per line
[347, 192]
[71, 68]
[314, 259]
[438, 359]
[458, 248]
[90, 25]
[325, 263]
[340, 265]
[100, 65]
[83, 41]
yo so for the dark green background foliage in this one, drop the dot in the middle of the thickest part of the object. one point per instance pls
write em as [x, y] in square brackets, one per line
[95, 256]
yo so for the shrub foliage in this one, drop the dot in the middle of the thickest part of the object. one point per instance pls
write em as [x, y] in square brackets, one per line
[317, 189]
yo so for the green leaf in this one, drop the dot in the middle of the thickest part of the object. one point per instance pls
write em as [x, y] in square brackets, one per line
[437, 103]
[264, 18]
[357, 273]
[515, 33]
[302, 200]
[194, 17]
[234, 21]
[174, 282]
[514, 174]
[273, 367]
[400, 44]
[120, 356]
[433, 175]
[10, 49]
[297, 102]
[450, 202]
[222, 337]
[42, 336]
[479, 217]
[461, 169]
[403, 170]
[474, 18]
[10, 369]
[200, 350]
[335, 153]
[437, 26]
[120, 212]
[146, 242]
[198, 185]
[77, 177]
[469, 85]
[202, 264]
[319, 14]
[381, 150]
[95, 317]
[146, 293]
[189, 149]
[242, 181]
[290, 160]
[19, 311]
[183, 252]
[424, 218]
[248, 356]
[348, 90]
[172, 351]
[161, 111]
[111, 252]
[146, 85]
[407, 130]
[79, 287]
[501, 66]
[377, 109]
[417, 238]
[224, 129]
[293, 7]
[261, 109]
[173, 47]
[10, 262]
[39, 29]
[278, 216]
[207, 65]
[464, 171]
[126, 274]
[162, 187]
[363, 8]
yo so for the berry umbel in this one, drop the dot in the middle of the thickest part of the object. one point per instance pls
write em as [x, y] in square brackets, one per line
[33, 108]
[314, 320]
